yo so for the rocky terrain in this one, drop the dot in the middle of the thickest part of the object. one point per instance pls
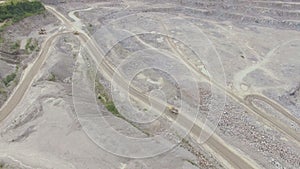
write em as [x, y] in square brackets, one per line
[103, 96]
[20, 44]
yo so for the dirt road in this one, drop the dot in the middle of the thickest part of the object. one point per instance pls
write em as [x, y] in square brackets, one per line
[232, 157]
[276, 106]
[228, 153]
[27, 80]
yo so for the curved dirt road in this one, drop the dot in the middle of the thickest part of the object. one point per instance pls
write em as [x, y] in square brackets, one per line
[232, 157]
[276, 106]
[235, 159]
[27, 80]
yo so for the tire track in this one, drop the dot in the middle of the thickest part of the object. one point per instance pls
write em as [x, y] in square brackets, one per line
[266, 118]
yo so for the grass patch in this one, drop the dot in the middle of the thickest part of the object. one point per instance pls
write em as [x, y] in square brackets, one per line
[31, 45]
[110, 106]
[9, 78]
[2, 90]
[52, 77]
[7, 23]
[1, 39]
[15, 46]
[28, 43]
[106, 100]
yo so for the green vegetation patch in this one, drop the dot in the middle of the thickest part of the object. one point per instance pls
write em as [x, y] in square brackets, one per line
[52, 77]
[110, 106]
[9, 78]
[17, 10]
[1, 39]
[106, 101]
[16, 45]
[28, 43]
[2, 91]
[31, 45]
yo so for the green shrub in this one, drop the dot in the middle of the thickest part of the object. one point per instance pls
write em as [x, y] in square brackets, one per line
[15, 46]
[2, 90]
[52, 77]
[28, 43]
[110, 106]
[31, 44]
[32, 47]
[106, 100]
[9, 78]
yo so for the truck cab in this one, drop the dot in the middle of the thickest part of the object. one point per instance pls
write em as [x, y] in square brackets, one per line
[173, 110]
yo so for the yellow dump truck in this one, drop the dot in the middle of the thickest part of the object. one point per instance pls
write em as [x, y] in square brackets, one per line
[173, 110]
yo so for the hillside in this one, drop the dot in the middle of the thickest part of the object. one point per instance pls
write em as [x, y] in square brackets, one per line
[16, 10]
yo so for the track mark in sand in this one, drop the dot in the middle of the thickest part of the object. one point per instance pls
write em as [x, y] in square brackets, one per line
[217, 144]
[226, 153]
[77, 21]
[273, 122]
[239, 76]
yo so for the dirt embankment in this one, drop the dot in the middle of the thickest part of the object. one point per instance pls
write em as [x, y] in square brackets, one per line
[14, 57]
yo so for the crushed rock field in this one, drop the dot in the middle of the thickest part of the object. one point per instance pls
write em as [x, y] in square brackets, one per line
[153, 84]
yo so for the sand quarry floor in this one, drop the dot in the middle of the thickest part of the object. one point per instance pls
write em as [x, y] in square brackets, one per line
[230, 68]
